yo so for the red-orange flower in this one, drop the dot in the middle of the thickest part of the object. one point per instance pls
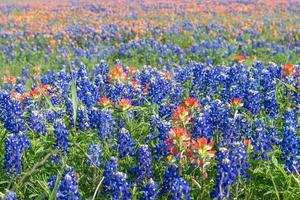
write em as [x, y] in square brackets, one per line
[117, 73]
[135, 84]
[34, 93]
[237, 102]
[288, 69]
[104, 101]
[19, 96]
[247, 142]
[10, 79]
[45, 88]
[201, 144]
[239, 58]
[168, 75]
[178, 143]
[202, 151]
[181, 115]
[125, 103]
[179, 136]
[132, 70]
[191, 102]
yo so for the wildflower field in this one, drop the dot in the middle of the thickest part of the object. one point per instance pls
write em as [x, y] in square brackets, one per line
[144, 99]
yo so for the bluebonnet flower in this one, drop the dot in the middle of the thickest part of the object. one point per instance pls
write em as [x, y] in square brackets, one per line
[253, 97]
[180, 189]
[267, 81]
[291, 142]
[11, 113]
[52, 116]
[123, 91]
[115, 182]
[264, 139]
[162, 88]
[111, 167]
[161, 150]
[83, 119]
[150, 190]
[62, 82]
[10, 196]
[61, 134]
[126, 144]
[215, 116]
[25, 73]
[147, 74]
[159, 129]
[69, 107]
[95, 152]
[166, 109]
[170, 175]
[35, 121]
[232, 165]
[144, 168]
[13, 154]
[56, 100]
[104, 121]
[56, 160]
[184, 74]
[67, 187]
[86, 90]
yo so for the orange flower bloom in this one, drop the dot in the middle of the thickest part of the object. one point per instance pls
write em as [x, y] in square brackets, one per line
[201, 144]
[239, 58]
[168, 75]
[191, 102]
[181, 115]
[288, 70]
[35, 93]
[125, 103]
[10, 79]
[237, 102]
[135, 84]
[132, 70]
[117, 73]
[104, 101]
[247, 142]
[178, 136]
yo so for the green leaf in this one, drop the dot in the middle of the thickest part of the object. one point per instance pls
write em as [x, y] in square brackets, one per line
[290, 86]
[53, 193]
[74, 101]
[275, 161]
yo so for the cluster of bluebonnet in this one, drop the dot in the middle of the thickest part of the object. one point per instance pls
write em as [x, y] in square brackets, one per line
[115, 182]
[10, 196]
[204, 48]
[95, 153]
[233, 165]
[238, 104]
[67, 186]
[16, 142]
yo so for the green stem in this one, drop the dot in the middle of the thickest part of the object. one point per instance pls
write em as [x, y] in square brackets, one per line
[34, 169]
[98, 186]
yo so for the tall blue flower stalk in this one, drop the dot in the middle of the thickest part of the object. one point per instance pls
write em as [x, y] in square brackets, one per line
[104, 122]
[149, 190]
[61, 134]
[115, 182]
[11, 114]
[144, 168]
[95, 153]
[232, 166]
[174, 185]
[126, 144]
[10, 196]
[291, 142]
[67, 187]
